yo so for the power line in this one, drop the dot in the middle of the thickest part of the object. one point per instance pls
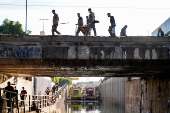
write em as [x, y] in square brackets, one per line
[84, 6]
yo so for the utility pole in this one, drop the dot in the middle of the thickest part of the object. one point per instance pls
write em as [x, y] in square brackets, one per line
[26, 19]
[43, 23]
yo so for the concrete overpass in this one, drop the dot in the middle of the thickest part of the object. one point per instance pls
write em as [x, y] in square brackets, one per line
[70, 56]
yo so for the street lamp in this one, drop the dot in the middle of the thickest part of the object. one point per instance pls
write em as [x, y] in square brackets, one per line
[43, 24]
[26, 19]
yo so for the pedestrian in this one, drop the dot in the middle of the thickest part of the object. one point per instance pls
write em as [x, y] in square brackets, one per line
[15, 102]
[113, 25]
[91, 22]
[9, 95]
[56, 84]
[55, 23]
[160, 32]
[47, 91]
[53, 89]
[23, 96]
[80, 24]
[123, 31]
[87, 22]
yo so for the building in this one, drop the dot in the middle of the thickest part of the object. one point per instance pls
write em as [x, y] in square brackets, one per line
[165, 27]
[90, 83]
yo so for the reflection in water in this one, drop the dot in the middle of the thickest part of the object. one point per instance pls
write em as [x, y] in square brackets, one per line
[93, 108]
[88, 107]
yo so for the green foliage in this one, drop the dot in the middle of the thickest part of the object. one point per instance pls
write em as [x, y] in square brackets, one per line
[105, 78]
[55, 79]
[13, 28]
[97, 87]
[167, 34]
[63, 80]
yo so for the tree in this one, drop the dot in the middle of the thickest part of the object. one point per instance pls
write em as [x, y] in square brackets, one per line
[105, 78]
[166, 34]
[55, 79]
[63, 80]
[13, 28]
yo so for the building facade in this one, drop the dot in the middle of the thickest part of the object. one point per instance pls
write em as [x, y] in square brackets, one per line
[165, 28]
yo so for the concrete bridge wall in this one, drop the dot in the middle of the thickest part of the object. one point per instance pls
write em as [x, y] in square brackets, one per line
[112, 91]
[72, 47]
[4, 77]
[140, 95]
[84, 56]
[151, 94]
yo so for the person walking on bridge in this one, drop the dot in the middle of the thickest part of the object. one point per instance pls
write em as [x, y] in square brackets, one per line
[87, 22]
[80, 24]
[123, 31]
[55, 23]
[160, 32]
[91, 22]
[113, 25]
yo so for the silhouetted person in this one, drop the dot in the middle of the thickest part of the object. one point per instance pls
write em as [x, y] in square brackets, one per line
[123, 31]
[112, 27]
[80, 24]
[160, 32]
[9, 95]
[56, 85]
[53, 89]
[47, 91]
[35, 108]
[87, 22]
[55, 23]
[91, 22]
[15, 97]
[23, 96]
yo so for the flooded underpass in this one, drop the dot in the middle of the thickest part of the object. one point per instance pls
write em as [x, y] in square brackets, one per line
[89, 107]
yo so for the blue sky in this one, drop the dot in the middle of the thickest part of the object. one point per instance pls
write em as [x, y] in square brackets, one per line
[141, 16]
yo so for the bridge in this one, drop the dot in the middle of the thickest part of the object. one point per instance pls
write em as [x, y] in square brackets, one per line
[73, 56]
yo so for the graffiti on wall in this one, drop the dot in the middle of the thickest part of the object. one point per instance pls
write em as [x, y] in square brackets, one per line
[20, 52]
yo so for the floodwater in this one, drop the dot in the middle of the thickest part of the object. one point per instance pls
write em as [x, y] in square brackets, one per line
[90, 107]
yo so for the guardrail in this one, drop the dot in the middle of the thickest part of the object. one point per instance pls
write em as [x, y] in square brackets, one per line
[54, 97]
[36, 102]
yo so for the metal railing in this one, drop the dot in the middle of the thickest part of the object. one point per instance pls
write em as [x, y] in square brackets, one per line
[36, 102]
[54, 97]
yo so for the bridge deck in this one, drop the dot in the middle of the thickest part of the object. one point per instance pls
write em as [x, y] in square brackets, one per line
[84, 56]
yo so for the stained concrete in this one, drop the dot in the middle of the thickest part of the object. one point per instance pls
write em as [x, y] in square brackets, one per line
[112, 92]
[77, 56]
[151, 94]
[4, 77]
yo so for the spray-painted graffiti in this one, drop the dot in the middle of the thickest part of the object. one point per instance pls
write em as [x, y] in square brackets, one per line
[20, 52]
